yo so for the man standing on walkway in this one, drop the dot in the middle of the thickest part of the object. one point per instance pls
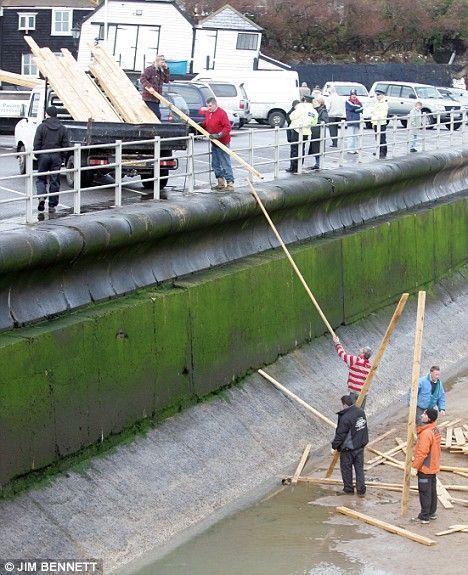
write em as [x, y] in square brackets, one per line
[154, 76]
[431, 393]
[379, 120]
[359, 368]
[218, 125]
[50, 135]
[350, 439]
[426, 462]
[335, 113]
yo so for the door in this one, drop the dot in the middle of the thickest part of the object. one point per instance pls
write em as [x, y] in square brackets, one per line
[126, 40]
[147, 46]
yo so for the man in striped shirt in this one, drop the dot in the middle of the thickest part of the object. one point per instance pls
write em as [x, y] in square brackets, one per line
[359, 368]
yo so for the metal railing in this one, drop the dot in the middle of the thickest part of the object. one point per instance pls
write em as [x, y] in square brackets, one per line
[271, 155]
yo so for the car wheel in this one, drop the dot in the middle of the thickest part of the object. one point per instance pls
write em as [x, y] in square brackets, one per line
[368, 126]
[404, 123]
[456, 125]
[428, 121]
[21, 160]
[86, 179]
[163, 177]
[277, 118]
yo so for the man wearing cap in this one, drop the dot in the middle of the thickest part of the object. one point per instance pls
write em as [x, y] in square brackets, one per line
[50, 135]
[359, 368]
[379, 115]
[426, 462]
[431, 393]
[351, 437]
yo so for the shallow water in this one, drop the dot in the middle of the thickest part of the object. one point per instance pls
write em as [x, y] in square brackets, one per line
[283, 534]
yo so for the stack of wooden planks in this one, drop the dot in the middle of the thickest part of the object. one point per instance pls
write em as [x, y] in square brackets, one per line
[82, 96]
[456, 439]
[119, 89]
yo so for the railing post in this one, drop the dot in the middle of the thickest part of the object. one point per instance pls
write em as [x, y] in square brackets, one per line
[452, 129]
[156, 167]
[424, 131]
[323, 131]
[251, 148]
[118, 173]
[28, 160]
[361, 139]
[395, 130]
[438, 131]
[190, 163]
[300, 149]
[377, 137]
[463, 127]
[343, 141]
[77, 179]
[276, 164]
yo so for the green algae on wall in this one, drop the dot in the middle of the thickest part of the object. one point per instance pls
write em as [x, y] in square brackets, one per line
[70, 382]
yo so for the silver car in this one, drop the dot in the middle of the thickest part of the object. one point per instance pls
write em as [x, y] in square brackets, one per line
[401, 97]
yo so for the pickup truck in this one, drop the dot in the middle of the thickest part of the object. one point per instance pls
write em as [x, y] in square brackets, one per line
[13, 105]
[137, 156]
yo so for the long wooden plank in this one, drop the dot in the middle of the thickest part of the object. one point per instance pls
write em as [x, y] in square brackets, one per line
[386, 457]
[459, 436]
[102, 107]
[463, 502]
[18, 79]
[380, 458]
[118, 88]
[449, 437]
[462, 473]
[453, 529]
[411, 428]
[375, 364]
[292, 395]
[385, 526]
[302, 462]
[333, 481]
[454, 468]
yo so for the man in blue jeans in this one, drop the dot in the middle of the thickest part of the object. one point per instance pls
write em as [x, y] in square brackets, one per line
[50, 135]
[218, 125]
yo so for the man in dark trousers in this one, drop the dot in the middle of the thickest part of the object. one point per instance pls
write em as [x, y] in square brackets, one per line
[426, 462]
[154, 76]
[350, 439]
[50, 135]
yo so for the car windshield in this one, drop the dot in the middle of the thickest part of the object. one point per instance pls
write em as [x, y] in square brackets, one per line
[427, 92]
[345, 90]
[224, 90]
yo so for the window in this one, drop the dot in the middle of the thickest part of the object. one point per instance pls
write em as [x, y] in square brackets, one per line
[224, 90]
[407, 92]
[27, 21]
[247, 41]
[62, 22]
[382, 87]
[28, 67]
[34, 106]
[394, 91]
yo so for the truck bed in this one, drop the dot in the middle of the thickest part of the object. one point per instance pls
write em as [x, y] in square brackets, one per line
[87, 133]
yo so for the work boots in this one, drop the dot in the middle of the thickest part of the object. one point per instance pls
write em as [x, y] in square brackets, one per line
[221, 186]
[230, 187]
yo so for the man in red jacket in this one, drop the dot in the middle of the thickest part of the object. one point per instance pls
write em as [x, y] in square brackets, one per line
[218, 125]
[426, 462]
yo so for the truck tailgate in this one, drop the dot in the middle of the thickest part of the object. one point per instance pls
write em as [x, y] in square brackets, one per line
[87, 133]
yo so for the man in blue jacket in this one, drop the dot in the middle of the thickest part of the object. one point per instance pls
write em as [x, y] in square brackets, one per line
[350, 439]
[431, 393]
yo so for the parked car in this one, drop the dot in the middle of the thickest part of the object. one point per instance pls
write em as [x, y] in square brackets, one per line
[232, 97]
[343, 90]
[455, 94]
[195, 95]
[402, 95]
[176, 100]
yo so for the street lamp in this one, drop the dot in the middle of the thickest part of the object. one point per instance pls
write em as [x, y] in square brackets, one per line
[76, 32]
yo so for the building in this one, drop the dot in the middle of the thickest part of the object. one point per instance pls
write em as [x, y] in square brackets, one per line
[50, 26]
[137, 30]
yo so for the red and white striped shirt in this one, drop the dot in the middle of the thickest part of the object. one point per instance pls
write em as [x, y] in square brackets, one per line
[359, 368]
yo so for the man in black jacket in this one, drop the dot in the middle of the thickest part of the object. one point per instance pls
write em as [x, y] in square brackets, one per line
[350, 439]
[50, 135]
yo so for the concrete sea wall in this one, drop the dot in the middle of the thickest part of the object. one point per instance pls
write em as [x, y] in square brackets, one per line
[203, 296]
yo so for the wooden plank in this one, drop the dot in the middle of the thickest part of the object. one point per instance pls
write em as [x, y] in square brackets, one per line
[411, 428]
[119, 89]
[449, 436]
[463, 502]
[102, 108]
[443, 495]
[333, 481]
[380, 437]
[19, 80]
[462, 473]
[379, 459]
[459, 436]
[301, 464]
[293, 396]
[453, 529]
[453, 468]
[385, 526]
[375, 364]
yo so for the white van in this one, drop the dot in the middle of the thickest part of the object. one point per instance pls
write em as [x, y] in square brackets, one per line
[232, 97]
[271, 92]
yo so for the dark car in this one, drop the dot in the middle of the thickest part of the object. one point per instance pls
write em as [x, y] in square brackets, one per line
[195, 95]
[166, 114]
